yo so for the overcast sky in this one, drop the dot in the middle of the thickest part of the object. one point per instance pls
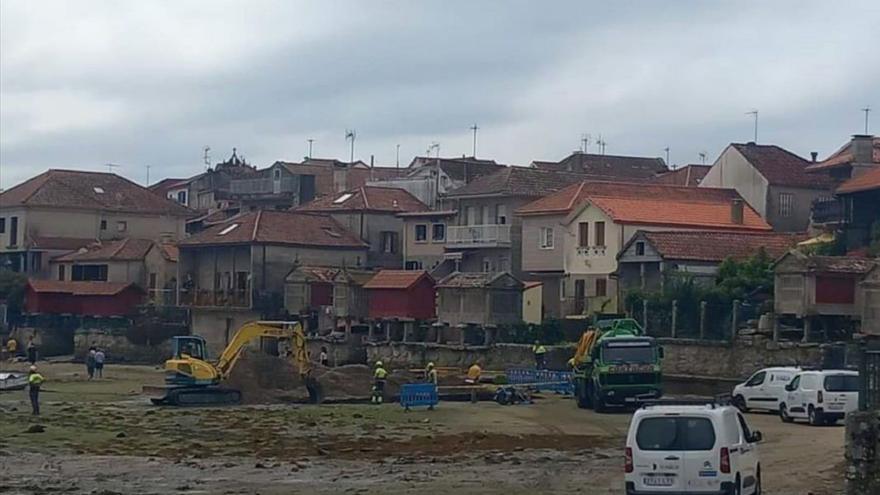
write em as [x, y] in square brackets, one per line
[152, 83]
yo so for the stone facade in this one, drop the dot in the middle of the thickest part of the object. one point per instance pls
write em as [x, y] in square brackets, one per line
[863, 453]
[118, 347]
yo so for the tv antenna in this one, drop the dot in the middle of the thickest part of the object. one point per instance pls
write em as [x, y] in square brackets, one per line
[148, 175]
[398, 156]
[207, 156]
[111, 166]
[435, 146]
[601, 144]
[310, 140]
[475, 129]
[755, 113]
[585, 142]
[703, 157]
[350, 136]
[867, 110]
[666, 149]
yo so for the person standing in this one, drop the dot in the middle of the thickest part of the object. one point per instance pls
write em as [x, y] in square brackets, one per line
[11, 347]
[324, 358]
[473, 373]
[31, 351]
[35, 381]
[431, 374]
[379, 378]
[99, 363]
[90, 362]
[540, 353]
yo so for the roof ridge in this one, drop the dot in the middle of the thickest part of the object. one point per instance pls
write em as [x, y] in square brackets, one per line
[364, 196]
[259, 216]
[575, 196]
[121, 246]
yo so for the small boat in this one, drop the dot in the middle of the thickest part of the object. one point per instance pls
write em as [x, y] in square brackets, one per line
[12, 380]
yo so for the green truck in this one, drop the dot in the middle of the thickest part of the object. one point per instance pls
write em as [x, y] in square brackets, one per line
[616, 364]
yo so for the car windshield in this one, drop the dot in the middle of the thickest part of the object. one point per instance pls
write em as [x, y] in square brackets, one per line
[639, 355]
[675, 433]
[842, 383]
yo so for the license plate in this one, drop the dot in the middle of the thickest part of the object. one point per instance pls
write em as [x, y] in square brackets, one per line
[658, 480]
[835, 406]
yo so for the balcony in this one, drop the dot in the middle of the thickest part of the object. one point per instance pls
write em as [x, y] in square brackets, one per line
[235, 298]
[285, 185]
[478, 236]
[827, 211]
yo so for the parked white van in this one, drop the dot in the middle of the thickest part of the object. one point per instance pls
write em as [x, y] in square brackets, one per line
[821, 397]
[701, 449]
[764, 390]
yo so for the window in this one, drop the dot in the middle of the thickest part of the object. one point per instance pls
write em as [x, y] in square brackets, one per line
[342, 199]
[504, 264]
[600, 234]
[601, 287]
[228, 229]
[2, 225]
[389, 242]
[61, 273]
[438, 232]
[181, 197]
[786, 203]
[103, 224]
[794, 383]
[152, 283]
[413, 265]
[501, 214]
[89, 273]
[487, 265]
[546, 240]
[13, 231]
[98, 190]
[276, 174]
[421, 233]
[842, 383]
[470, 215]
[675, 433]
[583, 234]
[756, 379]
[121, 226]
[744, 429]
[640, 248]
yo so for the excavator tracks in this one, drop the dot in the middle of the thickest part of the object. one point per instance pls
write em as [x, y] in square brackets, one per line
[199, 396]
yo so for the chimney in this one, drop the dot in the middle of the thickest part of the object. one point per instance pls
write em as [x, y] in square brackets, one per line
[736, 211]
[814, 155]
[861, 148]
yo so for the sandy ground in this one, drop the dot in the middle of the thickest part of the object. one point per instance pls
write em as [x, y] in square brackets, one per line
[102, 437]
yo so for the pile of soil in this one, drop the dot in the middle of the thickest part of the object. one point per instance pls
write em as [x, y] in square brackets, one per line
[265, 379]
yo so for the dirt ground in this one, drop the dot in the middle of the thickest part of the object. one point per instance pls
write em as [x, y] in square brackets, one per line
[103, 437]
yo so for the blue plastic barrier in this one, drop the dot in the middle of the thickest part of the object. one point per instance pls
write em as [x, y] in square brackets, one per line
[418, 394]
[560, 382]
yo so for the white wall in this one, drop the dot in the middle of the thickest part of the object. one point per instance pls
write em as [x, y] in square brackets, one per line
[731, 170]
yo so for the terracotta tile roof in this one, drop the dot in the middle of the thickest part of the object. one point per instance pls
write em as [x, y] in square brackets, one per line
[318, 273]
[688, 175]
[428, 213]
[367, 198]
[839, 264]
[356, 177]
[169, 251]
[620, 167]
[90, 190]
[163, 186]
[717, 246]
[59, 243]
[781, 167]
[518, 181]
[867, 181]
[80, 288]
[396, 279]
[277, 227]
[651, 204]
[463, 169]
[844, 156]
[473, 280]
[127, 249]
[530, 285]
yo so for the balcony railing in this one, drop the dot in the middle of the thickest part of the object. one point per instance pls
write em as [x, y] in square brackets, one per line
[238, 298]
[478, 235]
[827, 210]
[263, 186]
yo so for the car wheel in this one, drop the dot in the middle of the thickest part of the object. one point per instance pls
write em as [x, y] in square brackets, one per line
[815, 416]
[598, 401]
[758, 489]
[740, 403]
[783, 414]
[583, 398]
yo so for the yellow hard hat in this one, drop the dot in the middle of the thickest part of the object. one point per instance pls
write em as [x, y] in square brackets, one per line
[378, 363]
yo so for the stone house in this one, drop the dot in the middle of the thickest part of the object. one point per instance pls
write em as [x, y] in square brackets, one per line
[773, 181]
[276, 187]
[860, 201]
[424, 238]
[430, 178]
[371, 213]
[571, 239]
[62, 210]
[334, 176]
[235, 271]
[482, 299]
[327, 296]
[623, 168]
[650, 256]
[847, 168]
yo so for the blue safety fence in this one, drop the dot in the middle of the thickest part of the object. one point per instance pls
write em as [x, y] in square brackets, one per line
[418, 394]
[560, 382]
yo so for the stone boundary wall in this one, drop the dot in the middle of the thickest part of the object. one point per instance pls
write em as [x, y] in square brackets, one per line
[863, 453]
[117, 347]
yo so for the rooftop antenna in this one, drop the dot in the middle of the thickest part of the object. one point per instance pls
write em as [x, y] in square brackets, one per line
[867, 110]
[398, 156]
[601, 144]
[585, 142]
[350, 136]
[703, 157]
[310, 140]
[435, 147]
[755, 113]
[111, 166]
[666, 149]
[148, 175]
[475, 129]
[207, 156]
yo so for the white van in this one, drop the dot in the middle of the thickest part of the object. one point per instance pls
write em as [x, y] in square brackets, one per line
[701, 449]
[763, 390]
[821, 397]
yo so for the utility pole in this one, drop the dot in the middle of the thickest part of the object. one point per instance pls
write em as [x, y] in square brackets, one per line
[398, 156]
[755, 113]
[867, 110]
[350, 136]
[310, 140]
[148, 175]
[475, 129]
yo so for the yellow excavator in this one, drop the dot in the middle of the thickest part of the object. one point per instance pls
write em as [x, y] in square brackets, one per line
[192, 380]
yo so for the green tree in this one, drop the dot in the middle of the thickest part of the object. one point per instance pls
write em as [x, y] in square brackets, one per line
[738, 278]
[12, 285]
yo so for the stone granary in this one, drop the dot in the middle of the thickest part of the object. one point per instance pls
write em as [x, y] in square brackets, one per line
[485, 300]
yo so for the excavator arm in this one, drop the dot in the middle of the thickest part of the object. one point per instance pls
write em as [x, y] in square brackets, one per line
[282, 330]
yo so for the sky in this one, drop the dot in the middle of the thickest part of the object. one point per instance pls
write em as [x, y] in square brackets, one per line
[151, 84]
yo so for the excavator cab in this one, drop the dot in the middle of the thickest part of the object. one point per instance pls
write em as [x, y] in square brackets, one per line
[189, 345]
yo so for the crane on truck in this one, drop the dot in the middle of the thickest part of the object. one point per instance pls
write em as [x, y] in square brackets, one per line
[191, 379]
[616, 363]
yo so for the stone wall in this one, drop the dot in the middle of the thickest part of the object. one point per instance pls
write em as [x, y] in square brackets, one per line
[117, 347]
[495, 357]
[863, 453]
[339, 353]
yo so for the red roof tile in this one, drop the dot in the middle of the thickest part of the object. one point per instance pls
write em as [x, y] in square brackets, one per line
[867, 181]
[90, 190]
[127, 249]
[651, 204]
[277, 227]
[169, 251]
[396, 279]
[80, 288]
[844, 156]
[689, 175]
[717, 246]
[59, 243]
[781, 167]
[367, 198]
